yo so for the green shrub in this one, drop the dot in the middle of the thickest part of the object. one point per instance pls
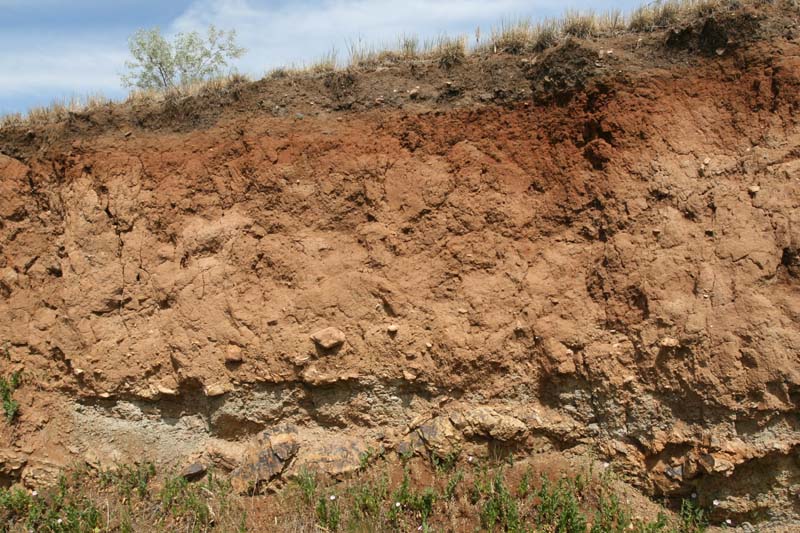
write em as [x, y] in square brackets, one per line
[328, 512]
[692, 518]
[190, 58]
[500, 508]
[610, 517]
[7, 388]
[559, 507]
[60, 511]
[368, 497]
[452, 483]
[306, 481]
[128, 479]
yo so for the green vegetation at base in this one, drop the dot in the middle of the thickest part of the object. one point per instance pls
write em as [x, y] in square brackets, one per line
[485, 496]
[414, 496]
[125, 499]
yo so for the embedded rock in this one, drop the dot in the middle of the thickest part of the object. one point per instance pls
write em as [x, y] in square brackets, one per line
[328, 338]
[486, 422]
[439, 436]
[334, 458]
[266, 459]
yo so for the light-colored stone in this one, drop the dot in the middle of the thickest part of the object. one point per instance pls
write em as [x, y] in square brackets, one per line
[338, 457]
[216, 389]
[316, 377]
[233, 354]
[486, 422]
[669, 342]
[166, 391]
[40, 473]
[11, 463]
[715, 464]
[328, 338]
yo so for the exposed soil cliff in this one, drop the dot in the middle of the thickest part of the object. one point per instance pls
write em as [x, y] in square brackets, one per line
[593, 250]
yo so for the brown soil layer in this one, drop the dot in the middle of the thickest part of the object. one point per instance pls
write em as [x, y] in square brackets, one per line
[579, 251]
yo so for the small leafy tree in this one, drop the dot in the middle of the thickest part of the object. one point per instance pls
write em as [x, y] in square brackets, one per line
[160, 64]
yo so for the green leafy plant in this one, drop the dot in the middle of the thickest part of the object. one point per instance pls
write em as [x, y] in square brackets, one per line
[367, 497]
[423, 503]
[328, 512]
[524, 488]
[446, 463]
[692, 517]
[190, 58]
[501, 507]
[189, 502]
[481, 486]
[559, 506]
[61, 511]
[129, 478]
[452, 483]
[306, 481]
[610, 517]
[660, 525]
[366, 458]
[7, 388]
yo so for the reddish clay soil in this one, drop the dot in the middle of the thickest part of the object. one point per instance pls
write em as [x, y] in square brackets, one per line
[576, 252]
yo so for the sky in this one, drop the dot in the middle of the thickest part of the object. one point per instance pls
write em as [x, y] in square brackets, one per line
[58, 49]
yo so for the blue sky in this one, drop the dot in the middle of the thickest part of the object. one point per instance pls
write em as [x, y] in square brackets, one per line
[52, 49]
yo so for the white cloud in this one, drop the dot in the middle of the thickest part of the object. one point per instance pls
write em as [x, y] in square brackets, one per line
[301, 31]
[72, 66]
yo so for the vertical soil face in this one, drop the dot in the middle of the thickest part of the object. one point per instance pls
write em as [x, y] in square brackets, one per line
[609, 263]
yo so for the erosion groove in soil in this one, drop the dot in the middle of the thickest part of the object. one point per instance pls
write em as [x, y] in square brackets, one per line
[578, 252]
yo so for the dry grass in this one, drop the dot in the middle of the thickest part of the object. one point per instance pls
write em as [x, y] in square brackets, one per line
[326, 63]
[448, 51]
[59, 110]
[612, 22]
[579, 24]
[211, 88]
[408, 46]
[523, 36]
[513, 36]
